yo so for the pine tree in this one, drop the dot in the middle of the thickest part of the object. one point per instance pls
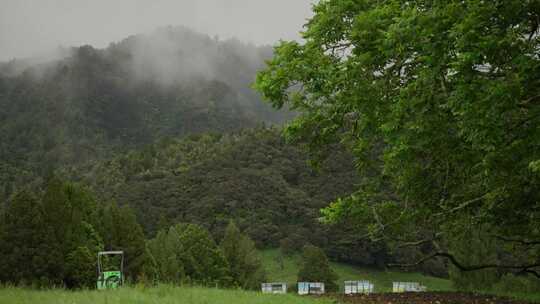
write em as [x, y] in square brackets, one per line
[81, 260]
[57, 224]
[69, 211]
[244, 262]
[316, 268]
[53, 240]
[121, 231]
[22, 236]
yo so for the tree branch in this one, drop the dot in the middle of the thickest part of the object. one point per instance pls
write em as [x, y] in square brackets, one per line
[521, 268]
[419, 242]
[520, 241]
[461, 206]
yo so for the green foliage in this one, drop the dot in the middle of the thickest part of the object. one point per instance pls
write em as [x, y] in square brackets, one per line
[165, 250]
[44, 237]
[121, 231]
[287, 246]
[203, 261]
[510, 283]
[81, 267]
[316, 268]
[472, 246]
[53, 238]
[94, 102]
[439, 102]
[285, 269]
[22, 239]
[187, 254]
[245, 265]
[254, 177]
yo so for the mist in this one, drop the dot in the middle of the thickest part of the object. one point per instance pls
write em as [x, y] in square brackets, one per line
[33, 28]
[172, 55]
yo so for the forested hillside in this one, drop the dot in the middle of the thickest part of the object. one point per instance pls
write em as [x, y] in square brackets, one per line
[254, 177]
[94, 102]
[167, 124]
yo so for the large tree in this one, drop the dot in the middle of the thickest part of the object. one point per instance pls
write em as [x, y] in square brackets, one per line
[186, 253]
[246, 268]
[50, 240]
[121, 231]
[440, 101]
[22, 239]
[316, 268]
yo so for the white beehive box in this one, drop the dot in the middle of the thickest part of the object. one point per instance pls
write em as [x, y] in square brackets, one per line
[275, 288]
[305, 288]
[407, 287]
[354, 287]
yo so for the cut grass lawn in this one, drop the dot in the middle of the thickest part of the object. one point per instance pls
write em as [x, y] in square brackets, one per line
[381, 279]
[162, 294]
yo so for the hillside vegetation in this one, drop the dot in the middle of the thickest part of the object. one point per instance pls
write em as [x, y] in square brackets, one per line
[93, 102]
[420, 120]
[254, 177]
[166, 124]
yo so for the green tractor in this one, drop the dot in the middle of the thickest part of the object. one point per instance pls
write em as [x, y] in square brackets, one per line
[110, 278]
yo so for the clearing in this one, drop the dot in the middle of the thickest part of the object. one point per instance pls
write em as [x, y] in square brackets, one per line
[382, 279]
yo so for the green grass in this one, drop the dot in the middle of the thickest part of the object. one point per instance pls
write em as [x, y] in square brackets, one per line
[167, 294]
[162, 294]
[381, 279]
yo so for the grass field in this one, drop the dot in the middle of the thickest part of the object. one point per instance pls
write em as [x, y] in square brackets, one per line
[381, 279]
[167, 294]
[162, 294]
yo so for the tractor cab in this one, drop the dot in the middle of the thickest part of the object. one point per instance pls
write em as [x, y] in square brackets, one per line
[110, 277]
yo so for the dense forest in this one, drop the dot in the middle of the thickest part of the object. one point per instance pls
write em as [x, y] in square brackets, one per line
[94, 102]
[405, 135]
[147, 137]
[254, 177]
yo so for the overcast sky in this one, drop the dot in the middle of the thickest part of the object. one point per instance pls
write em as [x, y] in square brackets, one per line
[31, 27]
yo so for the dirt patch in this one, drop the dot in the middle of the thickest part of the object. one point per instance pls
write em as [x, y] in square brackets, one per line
[426, 298]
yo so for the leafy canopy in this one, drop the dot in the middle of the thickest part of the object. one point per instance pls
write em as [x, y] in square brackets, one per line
[439, 100]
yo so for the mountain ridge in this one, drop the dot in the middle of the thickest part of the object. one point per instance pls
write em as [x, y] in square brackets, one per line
[170, 83]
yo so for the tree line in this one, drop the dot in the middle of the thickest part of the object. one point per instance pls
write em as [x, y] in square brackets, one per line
[253, 176]
[52, 237]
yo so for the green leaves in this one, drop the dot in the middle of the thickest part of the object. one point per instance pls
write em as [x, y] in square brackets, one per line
[534, 166]
[315, 268]
[50, 239]
[444, 97]
[187, 253]
[243, 258]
